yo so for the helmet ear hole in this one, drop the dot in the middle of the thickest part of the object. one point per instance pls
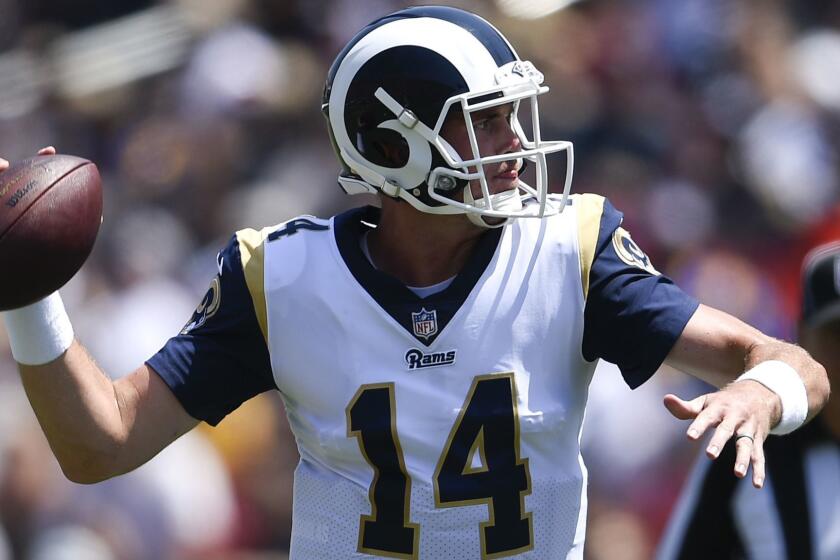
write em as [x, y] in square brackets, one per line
[383, 147]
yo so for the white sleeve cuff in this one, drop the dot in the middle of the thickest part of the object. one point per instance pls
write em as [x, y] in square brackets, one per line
[39, 333]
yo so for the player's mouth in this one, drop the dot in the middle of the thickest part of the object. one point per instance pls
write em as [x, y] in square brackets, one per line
[508, 170]
[509, 175]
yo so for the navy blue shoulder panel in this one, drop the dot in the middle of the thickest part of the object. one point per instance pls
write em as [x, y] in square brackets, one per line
[220, 358]
[633, 316]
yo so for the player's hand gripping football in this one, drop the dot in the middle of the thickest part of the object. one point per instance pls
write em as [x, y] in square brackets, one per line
[50, 206]
[745, 410]
[48, 151]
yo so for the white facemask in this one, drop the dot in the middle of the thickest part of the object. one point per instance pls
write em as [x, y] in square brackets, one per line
[507, 201]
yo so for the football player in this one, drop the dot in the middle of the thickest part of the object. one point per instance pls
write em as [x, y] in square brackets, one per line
[433, 354]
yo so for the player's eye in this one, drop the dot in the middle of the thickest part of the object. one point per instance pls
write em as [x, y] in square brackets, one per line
[482, 124]
[488, 122]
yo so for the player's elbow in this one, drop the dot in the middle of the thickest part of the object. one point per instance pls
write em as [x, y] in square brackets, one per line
[87, 467]
[81, 476]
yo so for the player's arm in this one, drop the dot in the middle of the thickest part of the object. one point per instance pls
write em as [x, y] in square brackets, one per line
[718, 348]
[99, 428]
[96, 428]
[638, 318]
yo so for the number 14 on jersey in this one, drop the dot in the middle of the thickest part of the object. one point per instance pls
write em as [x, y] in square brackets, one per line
[488, 426]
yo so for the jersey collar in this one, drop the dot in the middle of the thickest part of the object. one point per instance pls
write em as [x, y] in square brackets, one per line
[403, 305]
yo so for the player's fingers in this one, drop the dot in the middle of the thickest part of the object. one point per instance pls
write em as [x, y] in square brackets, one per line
[758, 462]
[47, 151]
[723, 432]
[744, 443]
[708, 417]
[3, 164]
[684, 410]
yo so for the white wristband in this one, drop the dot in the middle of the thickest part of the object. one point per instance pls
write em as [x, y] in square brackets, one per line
[783, 380]
[39, 333]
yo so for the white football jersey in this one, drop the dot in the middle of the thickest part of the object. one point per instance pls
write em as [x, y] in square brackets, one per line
[444, 427]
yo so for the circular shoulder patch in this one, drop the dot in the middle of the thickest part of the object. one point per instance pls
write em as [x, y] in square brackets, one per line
[207, 308]
[630, 253]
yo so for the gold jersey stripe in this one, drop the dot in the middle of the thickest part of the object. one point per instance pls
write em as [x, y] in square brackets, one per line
[589, 209]
[252, 254]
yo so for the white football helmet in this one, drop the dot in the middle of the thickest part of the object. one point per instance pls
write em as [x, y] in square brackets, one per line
[394, 85]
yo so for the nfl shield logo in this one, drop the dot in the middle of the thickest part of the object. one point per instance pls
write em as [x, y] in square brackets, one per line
[425, 323]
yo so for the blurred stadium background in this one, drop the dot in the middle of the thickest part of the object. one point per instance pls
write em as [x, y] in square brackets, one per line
[713, 124]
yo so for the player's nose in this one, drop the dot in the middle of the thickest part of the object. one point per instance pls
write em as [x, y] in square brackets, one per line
[508, 140]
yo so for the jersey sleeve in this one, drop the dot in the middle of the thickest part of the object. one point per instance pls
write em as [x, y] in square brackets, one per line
[220, 359]
[633, 314]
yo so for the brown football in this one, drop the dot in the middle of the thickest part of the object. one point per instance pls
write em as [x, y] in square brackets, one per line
[50, 212]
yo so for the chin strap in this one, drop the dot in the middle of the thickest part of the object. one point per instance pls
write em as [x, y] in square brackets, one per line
[481, 221]
[510, 201]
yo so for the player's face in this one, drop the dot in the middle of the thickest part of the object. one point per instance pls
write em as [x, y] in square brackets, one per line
[494, 136]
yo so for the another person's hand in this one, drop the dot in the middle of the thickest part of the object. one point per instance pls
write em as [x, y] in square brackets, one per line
[745, 410]
[48, 151]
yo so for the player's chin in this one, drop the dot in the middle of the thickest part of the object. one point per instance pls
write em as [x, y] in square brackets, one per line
[496, 185]
[503, 183]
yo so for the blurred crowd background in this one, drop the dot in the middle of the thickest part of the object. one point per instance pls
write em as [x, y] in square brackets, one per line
[713, 124]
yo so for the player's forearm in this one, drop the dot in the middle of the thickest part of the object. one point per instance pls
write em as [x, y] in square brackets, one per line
[718, 348]
[714, 346]
[79, 412]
